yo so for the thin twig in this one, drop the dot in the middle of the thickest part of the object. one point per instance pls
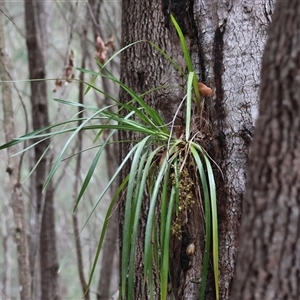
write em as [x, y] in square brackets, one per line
[10, 19]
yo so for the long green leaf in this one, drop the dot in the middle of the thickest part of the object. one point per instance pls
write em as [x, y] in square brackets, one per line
[62, 152]
[185, 50]
[91, 170]
[213, 204]
[104, 227]
[77, 104]
[207, 210]
[164, 205]
[155, 119]
[139, 200]
[139, 197]
[128, 215]
[148, 233]
[165, 252]
[36, 134]
[134, 95]
[168, 57]
[187, 57]
[215, 236]
[189, 105]
[117, 173]
[111, 58]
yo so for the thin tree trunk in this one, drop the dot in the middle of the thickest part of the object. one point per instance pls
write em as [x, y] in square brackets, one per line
[7, 248]
[13, 167]
[34, 17]
[225, 39]
[268, 264]
[109, 250]
[78, 166]
[5, 215]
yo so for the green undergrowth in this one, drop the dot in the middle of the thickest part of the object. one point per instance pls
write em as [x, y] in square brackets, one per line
[159, 169]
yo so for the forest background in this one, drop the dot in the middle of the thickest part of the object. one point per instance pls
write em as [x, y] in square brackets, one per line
[70, 32]
[44, 243]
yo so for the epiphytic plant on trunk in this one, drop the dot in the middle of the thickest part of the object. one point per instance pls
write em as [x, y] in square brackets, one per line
[165, 164]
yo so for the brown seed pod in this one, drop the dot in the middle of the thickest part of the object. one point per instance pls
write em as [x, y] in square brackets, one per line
[204, 90]
[190, 249]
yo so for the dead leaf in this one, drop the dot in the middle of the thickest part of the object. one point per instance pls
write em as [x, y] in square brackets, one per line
[68, 73]
[102, 48]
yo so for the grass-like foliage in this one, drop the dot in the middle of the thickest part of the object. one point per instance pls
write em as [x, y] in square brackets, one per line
[161, 165]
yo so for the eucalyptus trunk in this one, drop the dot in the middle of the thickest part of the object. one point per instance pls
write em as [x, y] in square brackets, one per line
[14, 163]
[226, 41]
[269, 260]
[45, 236]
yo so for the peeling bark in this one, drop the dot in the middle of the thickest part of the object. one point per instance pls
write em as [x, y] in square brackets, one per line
[233, 35]
[268, 264]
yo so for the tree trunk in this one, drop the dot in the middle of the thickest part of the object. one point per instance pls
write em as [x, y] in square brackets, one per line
[226, 41]
[13, 168]
[109, 249]
[34, 18]
[268, 264]
[78, 168]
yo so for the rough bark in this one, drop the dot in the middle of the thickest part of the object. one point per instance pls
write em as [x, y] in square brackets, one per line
[226, 41]
[142, 68]
[13, 165]
[34, 18]
[268, 264]
[233, 35]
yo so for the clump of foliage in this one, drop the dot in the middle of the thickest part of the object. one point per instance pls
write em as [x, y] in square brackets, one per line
[163, 165]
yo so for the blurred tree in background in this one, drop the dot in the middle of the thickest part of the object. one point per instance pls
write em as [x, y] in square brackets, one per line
[60, 36]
